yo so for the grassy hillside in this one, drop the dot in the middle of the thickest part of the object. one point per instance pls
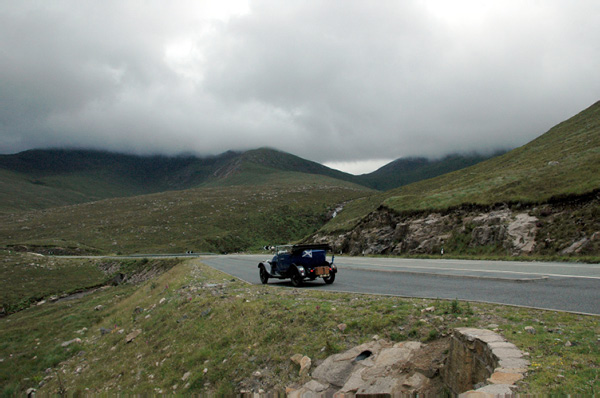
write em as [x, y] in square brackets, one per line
[405, 171]
[563, 161]
[285, 207]
[202, 332]
[40, 179]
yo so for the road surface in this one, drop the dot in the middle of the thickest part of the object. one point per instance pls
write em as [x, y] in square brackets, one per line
[555, 286]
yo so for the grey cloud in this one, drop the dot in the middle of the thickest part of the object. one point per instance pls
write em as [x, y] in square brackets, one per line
[330, 81]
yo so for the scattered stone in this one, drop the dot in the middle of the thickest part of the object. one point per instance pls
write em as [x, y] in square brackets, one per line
[568, 344]
[68, 343]
[257, 374]
[428, 309]
[129, 338]
[183, 318]
[577, 247]
[162, 300]
[315, 386]
[31, 392]
[305, 364]
[206, 312]
[104, 331]
[99, 307]
[186, 376]
[205, 371]
[41, 302]
[530, 330]
[492, 326]
[342, 327]
[296, 358]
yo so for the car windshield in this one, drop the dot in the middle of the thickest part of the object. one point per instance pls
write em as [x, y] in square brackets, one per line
[283, 249]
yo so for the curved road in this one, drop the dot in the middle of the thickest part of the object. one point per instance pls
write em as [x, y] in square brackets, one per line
[555, 286]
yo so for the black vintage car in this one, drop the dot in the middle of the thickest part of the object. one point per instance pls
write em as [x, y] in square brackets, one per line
[299, 263]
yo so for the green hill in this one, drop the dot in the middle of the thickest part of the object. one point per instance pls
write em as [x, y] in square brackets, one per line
[40, 179]
[285, 207]
[564, 161]
[405, 171]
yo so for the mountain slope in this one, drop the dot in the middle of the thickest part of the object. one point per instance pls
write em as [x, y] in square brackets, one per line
[40, 179]
[405, 171]
[47, 178]
[563, 161]
[285, 208]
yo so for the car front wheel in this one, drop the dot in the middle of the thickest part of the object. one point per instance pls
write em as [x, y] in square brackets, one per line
[264, 277]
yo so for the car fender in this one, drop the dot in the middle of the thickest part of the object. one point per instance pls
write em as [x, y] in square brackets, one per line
[300, 269]
[266, 265]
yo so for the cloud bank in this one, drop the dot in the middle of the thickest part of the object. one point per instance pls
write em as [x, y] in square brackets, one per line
[329, 81]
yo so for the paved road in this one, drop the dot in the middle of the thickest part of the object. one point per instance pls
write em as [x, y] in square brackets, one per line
[556, 286]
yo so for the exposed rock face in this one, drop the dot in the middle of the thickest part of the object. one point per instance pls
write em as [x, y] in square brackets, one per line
[382, 232]
[378, 367]
[568, 226]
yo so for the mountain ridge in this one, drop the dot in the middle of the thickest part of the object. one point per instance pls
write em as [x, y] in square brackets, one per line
[44, 178]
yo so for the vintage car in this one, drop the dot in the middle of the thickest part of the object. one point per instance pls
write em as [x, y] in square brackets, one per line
[299, 263]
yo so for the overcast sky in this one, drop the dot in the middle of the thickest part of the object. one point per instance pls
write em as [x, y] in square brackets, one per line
[331, 81]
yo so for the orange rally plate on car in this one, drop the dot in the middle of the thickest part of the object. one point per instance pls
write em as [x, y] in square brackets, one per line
[322, 271]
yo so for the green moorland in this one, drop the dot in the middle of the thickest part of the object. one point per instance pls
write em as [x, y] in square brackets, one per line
[200, 331]
[283, 207]
[28, 278]
[564, 161]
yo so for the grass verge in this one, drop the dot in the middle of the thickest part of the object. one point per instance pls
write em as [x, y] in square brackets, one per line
[202, 331]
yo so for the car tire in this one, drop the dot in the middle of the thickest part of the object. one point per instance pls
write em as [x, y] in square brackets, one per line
[264, 276]
[329, 279]
[297, 279]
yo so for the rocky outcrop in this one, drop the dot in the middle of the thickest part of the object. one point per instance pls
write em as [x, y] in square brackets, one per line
[473, 363]
[383, 232]
[378, 367]
[567, 226]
